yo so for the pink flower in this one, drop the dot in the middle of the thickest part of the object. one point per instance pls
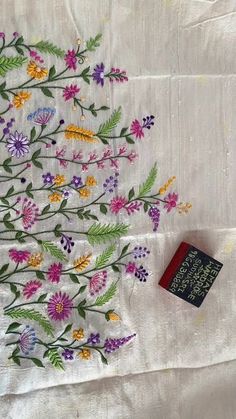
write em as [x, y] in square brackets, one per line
[130, 268]
[30, 288]
[71, 59]
[171, 201]
[19, 256]
[29, 213]
[54, 272]
[97, 282]
[137, 129]
[70, 91]
[132, 156]
[133, 206]
[60, 306]
[117, 204]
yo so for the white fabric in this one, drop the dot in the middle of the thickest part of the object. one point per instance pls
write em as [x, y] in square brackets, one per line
[180, 58]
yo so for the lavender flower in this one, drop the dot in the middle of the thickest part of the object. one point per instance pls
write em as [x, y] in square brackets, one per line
[27, 340]
[66, 193]
[140, 252]
[67, 243]
[148, 121]
[17, 144]
[141, 274]
[112, 345]
[76, 181]
[98, 74]
[94, 339]
[42, 116]
[154, 214]
[68, 354]
[48, 178]
[111, 183]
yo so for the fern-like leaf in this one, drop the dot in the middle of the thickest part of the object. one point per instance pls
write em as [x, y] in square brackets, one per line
[22, 313]
[53, 250]
[82, 263]
[106, 128]
[149, 182]
[93, 43]
[102, 259]
[10, 63]
[107, 296]
[100, 233]
[55, 358]
[46, 46]
[73, 132]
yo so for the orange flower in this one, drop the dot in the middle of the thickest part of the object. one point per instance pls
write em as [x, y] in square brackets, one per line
[84, 193]
[85, 354]
[90, 181]
[164, 188]
[59, 180]
[20, 99]
[35, 260]
[113, 317]
[78, 334]
[35, 71]
[55, 197]
[184, 207]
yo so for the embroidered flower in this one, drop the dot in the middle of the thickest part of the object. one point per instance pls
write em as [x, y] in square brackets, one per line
[59, 180]
[117, 75]
[27, 340]
[137, 128]
[111, 183]
[36, 56]
[76, 181]
[35, 71]
[68, 354]
[42, 116]
[54, 272]
[85, 354]
[67, 243]
[98, 74]
[78, 334]
[154, 214]
[66, 193]
[84, 193]
[2, 35]
[94, 339]
[48, 178]
[140, 252]
[164, 188]
[71, 59]
[35, 260]
[30, 288]
[60, 306]
[141, 274]
[55, 197]
[112, 345]
[184, 207]
[17, 144]
[130, 268]
[97, 282]
[117, 204]
[19, 256]
[90, 181]
[113, 317]
[20, 98]
[171, 201]
[29, 213]
[70, 92]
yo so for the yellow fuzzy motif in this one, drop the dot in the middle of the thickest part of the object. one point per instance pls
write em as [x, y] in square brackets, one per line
[164, 188]
[113, 317]
[78, 334]
[84, 192]
[81, 263]
[35, 71]
[184, 207]
[55, 197]
[35, 260]
[90, 181]
[85, 354]
[73, 132]
[59, 180]
[20, 98]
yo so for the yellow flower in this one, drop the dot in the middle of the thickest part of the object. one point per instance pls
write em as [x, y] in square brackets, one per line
[20, 99]
[35, 260]
[35, 71]
[164, 188]
[59, 180]
[184, 207]
[90, 181]
[113, 317]
[162, 191]
[55, 197]
[84, 193]
[78, 334]
[85, 354]
[77, 133]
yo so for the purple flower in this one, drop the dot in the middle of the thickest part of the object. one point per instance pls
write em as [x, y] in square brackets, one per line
[140, 252]
[68, 354]
[17, 144]
[42, 116]
[16, 34]
[60, 306]
[66, 193]
[137, 128]
[117, 75]
[67, 243]
[112, 345]
[27, 340]
[71, 59]
[94, 339]
[130, 268]
[154, 214]
[70, 91]
[48, 178]
[77, 181]
[2, 35]
[2, 120]
[141, 274]
[98, 74]
[111, 183]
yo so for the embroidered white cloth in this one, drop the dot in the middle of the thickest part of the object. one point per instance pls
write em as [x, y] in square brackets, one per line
[180, 61]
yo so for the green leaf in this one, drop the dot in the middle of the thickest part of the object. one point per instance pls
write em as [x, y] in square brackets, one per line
[93, 43]
[84, 75]
[9, 225]
[131, 194]
[103, 208]
[12, 327]
[103, 259]
[19, 50]
[106, 128]
[82, 289]
[107, 296]
[10, 191]
[13, 289]
[74, 278]
[32, 133]
[100, 233]
[4, 201]
[123, 131]
[19, 41]
[55, 358]
[129, 140]
[42, 298]
[45, 209]
[46, 92]
[81, 312]
[115, 268]
[16, 360]
[31, 314]
[37, 362]
[37, 164]
[36, 154]
[148, 184]
[10, 63]
[52, 72]
[53, 250]
[5, 96]
[39, 275]
[6, 216]
[46, 46]
[145, 206]
[124, 250]
[67, 329]
[4, 268]
[104, 360]
[63, 204]
[2, 86]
